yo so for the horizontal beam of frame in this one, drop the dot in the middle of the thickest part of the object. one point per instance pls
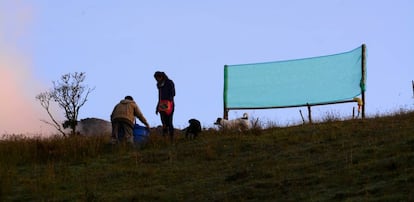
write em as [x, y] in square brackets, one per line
[292, 106]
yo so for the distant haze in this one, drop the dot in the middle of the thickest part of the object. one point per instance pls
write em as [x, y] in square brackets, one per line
[20, 113]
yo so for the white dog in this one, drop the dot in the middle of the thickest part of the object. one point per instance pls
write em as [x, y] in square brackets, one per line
[240, 124]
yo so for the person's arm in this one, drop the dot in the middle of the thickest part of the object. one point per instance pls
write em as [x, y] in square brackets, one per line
[172, 89]
[140, 116]
[144, 121]
[158, 102]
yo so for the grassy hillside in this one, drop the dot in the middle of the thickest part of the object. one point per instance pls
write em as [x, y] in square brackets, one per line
[355, 160]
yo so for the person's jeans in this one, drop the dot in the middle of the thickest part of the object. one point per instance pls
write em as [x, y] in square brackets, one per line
[122, 131]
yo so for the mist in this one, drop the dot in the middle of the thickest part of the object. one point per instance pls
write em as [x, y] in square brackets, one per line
[20, 112]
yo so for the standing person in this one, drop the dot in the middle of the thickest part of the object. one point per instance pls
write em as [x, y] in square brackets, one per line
[123, 119]
[165, 105]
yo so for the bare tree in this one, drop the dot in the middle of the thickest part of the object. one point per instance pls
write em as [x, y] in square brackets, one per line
[44, 99]
[70, 94]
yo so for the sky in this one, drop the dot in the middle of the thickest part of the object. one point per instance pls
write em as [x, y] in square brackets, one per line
[120, 44]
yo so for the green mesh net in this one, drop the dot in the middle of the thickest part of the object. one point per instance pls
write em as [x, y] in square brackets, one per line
[297, 82]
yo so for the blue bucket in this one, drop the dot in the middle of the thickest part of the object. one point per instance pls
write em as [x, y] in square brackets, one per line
[140, 134]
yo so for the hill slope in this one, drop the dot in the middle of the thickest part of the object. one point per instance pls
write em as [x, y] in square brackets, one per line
[358, 160]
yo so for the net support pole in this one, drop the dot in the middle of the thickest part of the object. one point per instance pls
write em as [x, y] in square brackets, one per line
[226, 114]
[309, 113]
[225, 109]
[363, 66]
[413, 86]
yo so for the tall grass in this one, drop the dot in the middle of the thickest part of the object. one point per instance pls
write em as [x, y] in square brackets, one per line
[331, 160]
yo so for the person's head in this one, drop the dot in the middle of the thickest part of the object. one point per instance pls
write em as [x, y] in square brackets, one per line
[128, 97]
[160, 76]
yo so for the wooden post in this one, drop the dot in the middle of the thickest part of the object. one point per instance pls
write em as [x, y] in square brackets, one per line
[303, 119]
[309, 113]
[225, 109]
[353, 112]
[363, 66]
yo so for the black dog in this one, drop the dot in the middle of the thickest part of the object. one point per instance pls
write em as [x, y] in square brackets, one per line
[191, 132]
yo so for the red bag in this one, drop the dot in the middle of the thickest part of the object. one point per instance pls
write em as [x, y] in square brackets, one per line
[165, 106]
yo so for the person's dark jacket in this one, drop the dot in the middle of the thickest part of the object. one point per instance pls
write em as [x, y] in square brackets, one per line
[126, 111]
[166, 90]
